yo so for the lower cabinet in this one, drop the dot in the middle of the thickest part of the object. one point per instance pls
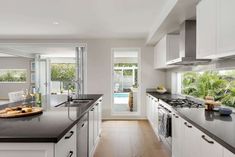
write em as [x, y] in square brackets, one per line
[188, 141]
[177, 135]
[82, 137]
[152, 112]
[227, 153]
[27, 150]
[66, 147]
[94, 126]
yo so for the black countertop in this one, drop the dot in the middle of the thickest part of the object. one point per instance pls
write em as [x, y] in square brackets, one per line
[50, 126]
[219, 128]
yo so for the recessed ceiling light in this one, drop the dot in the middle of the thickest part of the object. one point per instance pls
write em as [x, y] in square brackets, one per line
[55, 23]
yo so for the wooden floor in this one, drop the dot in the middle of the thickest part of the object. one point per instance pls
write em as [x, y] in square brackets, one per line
[129, 139]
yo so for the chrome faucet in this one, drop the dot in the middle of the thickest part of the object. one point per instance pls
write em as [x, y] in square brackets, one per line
[70, 98]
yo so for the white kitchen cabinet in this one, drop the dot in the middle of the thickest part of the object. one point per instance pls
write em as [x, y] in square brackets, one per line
[177, 135]
[166, 49]
[91, 131]
[227, 153]
[206, 29]
[226, 27]
[188, 141]
[148, 106]
[99, 116]
[215, 29]
[26, 149]
[209, 146]
[191, 139]
[152, 112]
[94, 126]
[66, 147]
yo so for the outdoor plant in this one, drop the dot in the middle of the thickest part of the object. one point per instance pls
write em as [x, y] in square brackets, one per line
[64, 73]
[221, 86]
[13, 75]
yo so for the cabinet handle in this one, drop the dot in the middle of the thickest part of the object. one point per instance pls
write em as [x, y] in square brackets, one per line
[92, 109]
[204, 137]
[83, 124]
[189, 126]
[175, 116]
[70, 154]
[97, 104]
[70, 134]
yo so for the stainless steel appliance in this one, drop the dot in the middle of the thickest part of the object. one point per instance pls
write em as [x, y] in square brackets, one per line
[164, 124]
[187, 46]
[165, 113]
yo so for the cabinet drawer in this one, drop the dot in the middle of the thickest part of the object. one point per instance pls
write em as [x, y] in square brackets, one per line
[66, 147]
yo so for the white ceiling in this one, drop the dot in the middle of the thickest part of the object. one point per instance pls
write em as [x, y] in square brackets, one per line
[33, 19]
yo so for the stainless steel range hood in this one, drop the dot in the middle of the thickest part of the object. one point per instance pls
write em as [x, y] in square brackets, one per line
[187, 46]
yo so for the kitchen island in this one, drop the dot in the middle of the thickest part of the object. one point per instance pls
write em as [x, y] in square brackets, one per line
[46, 134]
[195, 127]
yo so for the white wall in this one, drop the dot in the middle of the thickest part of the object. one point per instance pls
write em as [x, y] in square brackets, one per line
[99, 67]
[14, 63]
[99, 70]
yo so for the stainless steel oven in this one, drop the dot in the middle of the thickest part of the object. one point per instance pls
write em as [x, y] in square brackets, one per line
[164, 124]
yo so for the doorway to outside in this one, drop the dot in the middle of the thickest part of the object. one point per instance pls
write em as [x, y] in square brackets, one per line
[125, 81]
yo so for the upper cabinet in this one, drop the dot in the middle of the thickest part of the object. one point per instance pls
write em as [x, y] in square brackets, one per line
[165, 50]
[215, 29]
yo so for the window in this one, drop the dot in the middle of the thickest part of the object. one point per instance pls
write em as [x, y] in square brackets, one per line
[219, 84]
[13, 75]
[61, 76]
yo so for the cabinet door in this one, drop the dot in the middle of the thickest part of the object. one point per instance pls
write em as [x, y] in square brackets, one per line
[177, 135]
[209, 147]
[226, 27]
[148, 102]
[67, 145]
[206, 28]
[160, 54]
[99, 116]
[91, 131]
[227, 153]
[191, 140]
[82, 141]
[96, 123]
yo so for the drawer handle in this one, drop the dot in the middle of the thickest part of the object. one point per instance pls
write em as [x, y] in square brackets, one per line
[189, 126]
[204, 137]
[70, 154]
[175, 116]
[70, 134]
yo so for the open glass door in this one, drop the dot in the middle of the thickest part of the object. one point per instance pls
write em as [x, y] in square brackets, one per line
[43, 75]
[125, 82]
[80, 72]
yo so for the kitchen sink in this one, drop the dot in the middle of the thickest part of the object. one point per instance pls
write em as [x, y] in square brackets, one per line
[76, 103]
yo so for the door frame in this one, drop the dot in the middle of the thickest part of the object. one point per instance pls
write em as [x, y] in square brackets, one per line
[124, 114]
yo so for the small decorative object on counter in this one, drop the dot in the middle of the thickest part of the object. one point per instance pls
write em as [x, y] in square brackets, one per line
[161, 89]
[39, 98]
[210, 103]
[225, 111]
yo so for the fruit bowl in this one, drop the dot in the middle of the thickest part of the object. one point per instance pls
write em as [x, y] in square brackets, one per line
[161, 91]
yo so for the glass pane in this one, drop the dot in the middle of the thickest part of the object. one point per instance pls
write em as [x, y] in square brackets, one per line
[13, 75]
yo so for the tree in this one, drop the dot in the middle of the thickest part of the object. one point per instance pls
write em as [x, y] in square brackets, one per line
[63, 72]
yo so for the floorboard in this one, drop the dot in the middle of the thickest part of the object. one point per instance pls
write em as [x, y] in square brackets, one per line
[129, 139]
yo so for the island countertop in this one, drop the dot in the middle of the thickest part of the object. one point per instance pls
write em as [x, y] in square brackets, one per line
[219, 128]
[50, 126]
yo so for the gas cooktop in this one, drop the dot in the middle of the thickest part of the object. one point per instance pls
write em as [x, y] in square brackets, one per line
[183, 103]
